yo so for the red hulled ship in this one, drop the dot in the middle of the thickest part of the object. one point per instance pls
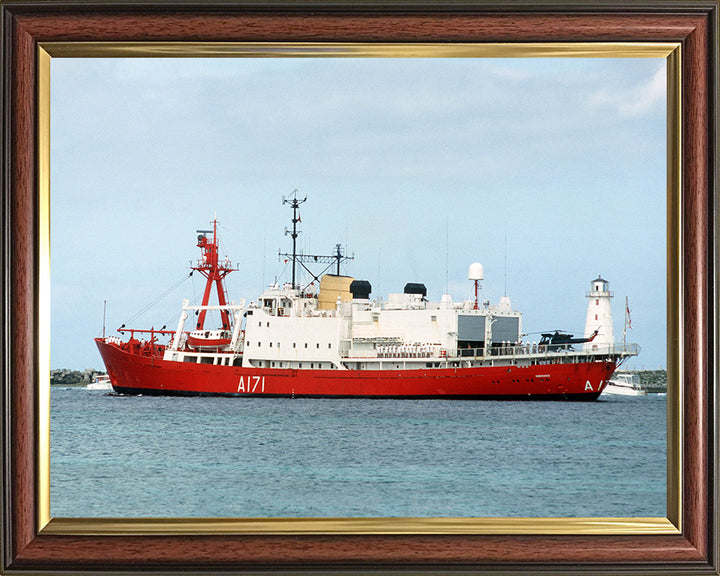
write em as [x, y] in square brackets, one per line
[337, 342]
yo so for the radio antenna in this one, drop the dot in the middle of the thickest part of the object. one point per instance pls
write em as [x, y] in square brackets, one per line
[505, 256]
[447, 251]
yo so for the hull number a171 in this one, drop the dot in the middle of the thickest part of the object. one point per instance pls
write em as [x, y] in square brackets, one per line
[252, 384]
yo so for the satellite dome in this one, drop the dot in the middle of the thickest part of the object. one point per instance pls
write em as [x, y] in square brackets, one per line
[476, 272]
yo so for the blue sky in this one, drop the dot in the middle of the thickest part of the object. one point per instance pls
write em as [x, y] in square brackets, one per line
[547, 171]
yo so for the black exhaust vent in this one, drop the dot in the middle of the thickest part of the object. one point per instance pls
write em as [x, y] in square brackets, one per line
[414, 288]
[360, 289]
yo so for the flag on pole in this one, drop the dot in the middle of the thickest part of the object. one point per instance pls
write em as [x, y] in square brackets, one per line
[627, 313]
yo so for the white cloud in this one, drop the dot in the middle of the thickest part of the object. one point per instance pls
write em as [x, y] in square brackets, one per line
[636, 100]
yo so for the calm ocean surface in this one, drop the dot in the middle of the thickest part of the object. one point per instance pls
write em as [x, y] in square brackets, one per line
[130, 456]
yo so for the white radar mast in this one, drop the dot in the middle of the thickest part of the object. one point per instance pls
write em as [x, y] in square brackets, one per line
[476, 274]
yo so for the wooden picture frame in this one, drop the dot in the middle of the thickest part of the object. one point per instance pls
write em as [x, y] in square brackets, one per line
[687, 543]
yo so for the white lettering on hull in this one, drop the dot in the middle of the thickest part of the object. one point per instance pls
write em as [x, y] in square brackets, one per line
[252, 384]
[588, 386]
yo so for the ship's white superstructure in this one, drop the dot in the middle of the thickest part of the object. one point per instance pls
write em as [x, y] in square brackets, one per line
[288, 329]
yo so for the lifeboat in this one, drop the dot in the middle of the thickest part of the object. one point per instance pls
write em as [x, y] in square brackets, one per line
[209, 339]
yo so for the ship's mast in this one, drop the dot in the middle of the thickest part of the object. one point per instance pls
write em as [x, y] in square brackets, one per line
[215, 271]
[296, 258]
[295, 204]
[338, 258]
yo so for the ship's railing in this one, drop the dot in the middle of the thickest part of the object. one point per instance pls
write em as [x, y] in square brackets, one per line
[509, 350]
[616, 349]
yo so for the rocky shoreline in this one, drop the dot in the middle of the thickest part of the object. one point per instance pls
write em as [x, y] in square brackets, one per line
[653, 381]
[67, 377]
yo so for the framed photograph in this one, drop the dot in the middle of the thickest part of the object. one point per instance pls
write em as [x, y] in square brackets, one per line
[83, 63]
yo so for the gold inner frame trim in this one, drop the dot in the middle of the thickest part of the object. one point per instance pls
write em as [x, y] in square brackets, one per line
[356, 50]
[384, 526]
[288, 526]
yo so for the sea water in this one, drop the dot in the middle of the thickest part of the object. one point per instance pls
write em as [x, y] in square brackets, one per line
[139, 456]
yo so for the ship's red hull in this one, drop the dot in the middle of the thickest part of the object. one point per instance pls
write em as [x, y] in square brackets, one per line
[139, 374]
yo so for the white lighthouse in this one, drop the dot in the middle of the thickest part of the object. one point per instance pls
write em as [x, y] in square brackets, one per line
[599, 314]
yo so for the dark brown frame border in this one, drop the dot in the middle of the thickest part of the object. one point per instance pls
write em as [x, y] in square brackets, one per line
[694, 24]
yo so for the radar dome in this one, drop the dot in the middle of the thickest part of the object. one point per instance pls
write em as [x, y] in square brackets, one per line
[476, 272]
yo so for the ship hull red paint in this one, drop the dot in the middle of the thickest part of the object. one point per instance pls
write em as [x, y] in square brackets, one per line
[132, 373]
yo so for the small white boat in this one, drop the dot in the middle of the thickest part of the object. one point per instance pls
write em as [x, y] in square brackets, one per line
[100, 382]
[625, 384]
